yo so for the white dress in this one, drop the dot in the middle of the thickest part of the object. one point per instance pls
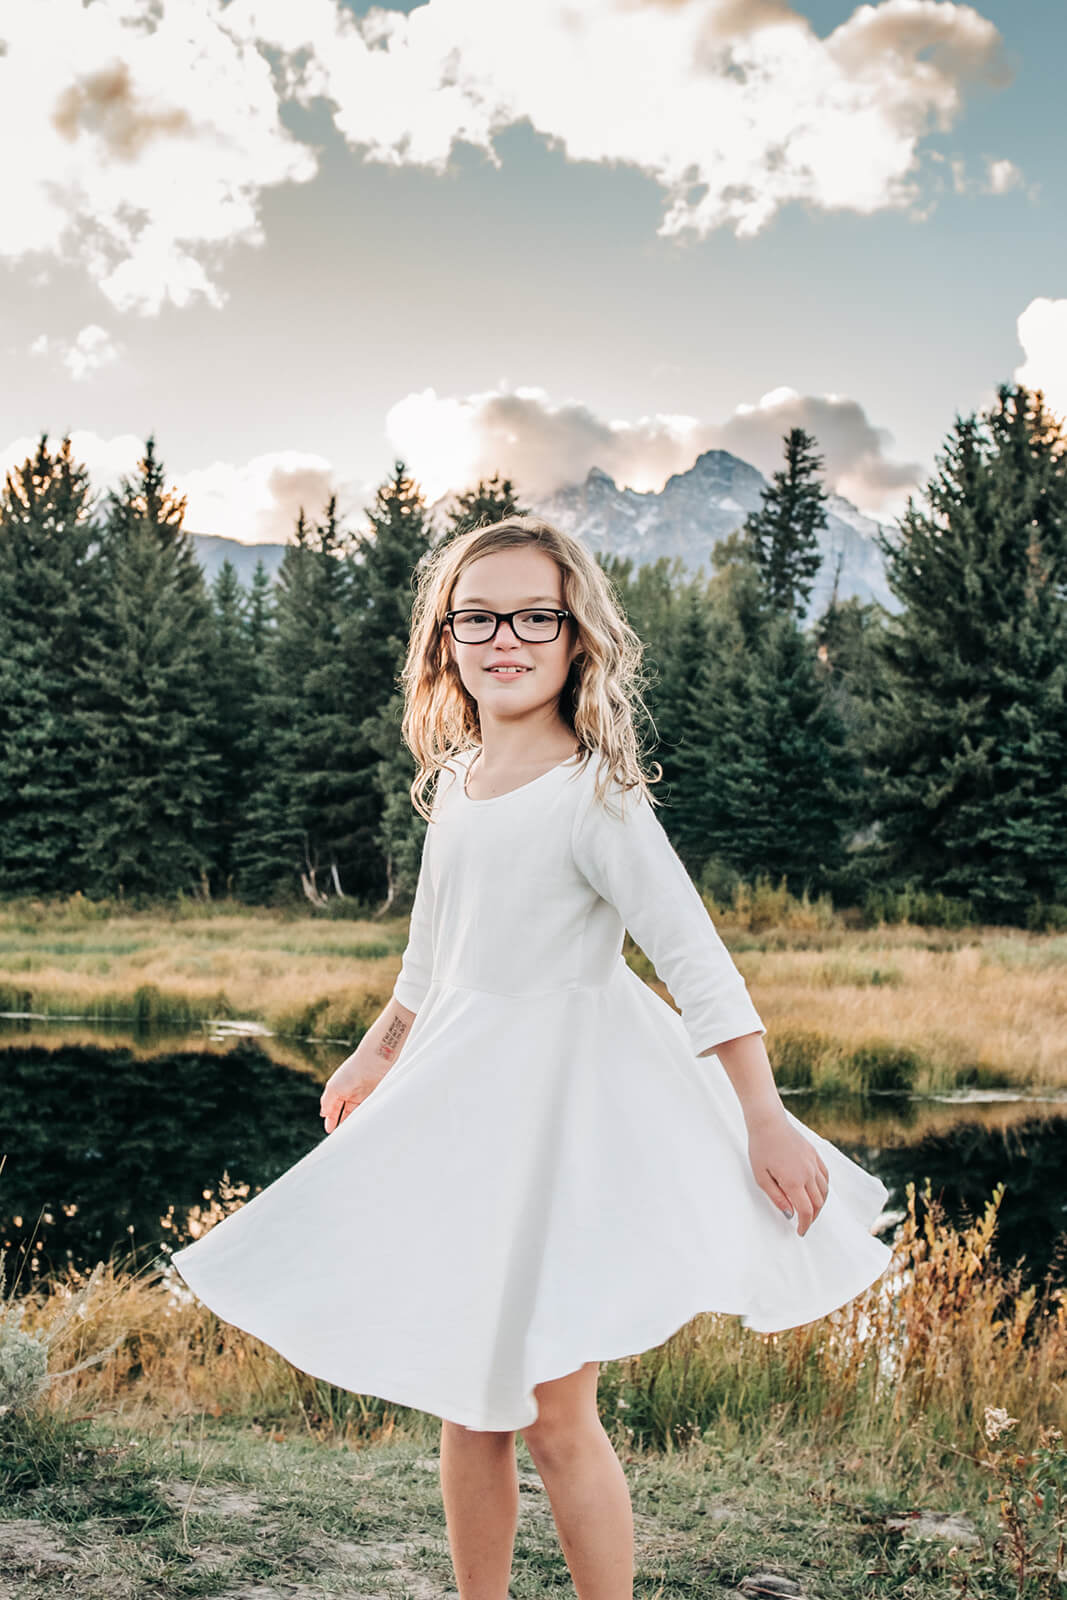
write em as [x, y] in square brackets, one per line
[549, 1174]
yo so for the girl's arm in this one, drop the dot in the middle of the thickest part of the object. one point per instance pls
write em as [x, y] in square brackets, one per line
[631, 863]
[361, 1072]
[749, 1070]
[416, 967]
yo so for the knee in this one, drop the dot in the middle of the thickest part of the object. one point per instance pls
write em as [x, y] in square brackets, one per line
[567, 1416]
[556, 1437]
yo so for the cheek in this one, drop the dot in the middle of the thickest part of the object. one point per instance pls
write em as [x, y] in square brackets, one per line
[560, 664]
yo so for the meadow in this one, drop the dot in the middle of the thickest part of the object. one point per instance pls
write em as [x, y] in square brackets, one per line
[910, 1444]
[894, 1006]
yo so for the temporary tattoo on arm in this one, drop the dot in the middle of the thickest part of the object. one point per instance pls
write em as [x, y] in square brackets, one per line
[392, 1038]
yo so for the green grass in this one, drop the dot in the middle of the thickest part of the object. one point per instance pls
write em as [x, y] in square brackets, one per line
[200, 1508]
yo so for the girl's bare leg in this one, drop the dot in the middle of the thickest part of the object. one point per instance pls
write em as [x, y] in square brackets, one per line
[586, 1485]
[480, 1490]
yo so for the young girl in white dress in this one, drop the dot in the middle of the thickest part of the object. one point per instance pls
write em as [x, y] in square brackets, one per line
[532, 1162]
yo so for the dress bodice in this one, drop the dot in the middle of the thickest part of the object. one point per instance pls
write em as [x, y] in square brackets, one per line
[531, 892]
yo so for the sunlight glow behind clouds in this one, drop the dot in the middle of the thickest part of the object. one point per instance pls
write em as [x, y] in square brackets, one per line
[448, 443]
[145, 134]
[259, 502]
[1042, 331]
[147, 130]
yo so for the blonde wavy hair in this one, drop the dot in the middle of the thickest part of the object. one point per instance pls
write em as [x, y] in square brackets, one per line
[602, 689]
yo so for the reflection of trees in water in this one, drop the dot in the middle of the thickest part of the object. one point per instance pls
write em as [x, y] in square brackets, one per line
[103, 1139]
[965, 1163]
[106, 1142]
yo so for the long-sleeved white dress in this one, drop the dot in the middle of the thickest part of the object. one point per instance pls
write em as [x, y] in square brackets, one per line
[550, 1173]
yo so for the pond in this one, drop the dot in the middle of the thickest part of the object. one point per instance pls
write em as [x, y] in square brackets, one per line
[116, 1143]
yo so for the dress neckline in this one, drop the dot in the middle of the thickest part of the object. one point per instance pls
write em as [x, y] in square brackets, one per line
[492, 799]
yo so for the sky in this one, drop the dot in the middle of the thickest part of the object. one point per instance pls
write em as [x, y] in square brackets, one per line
[298, 242]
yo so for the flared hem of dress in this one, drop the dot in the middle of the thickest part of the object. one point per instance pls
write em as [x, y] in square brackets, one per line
[643, 1338]
[623, 1205]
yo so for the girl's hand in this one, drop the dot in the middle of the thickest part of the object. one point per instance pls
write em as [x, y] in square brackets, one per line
[789, 1169]
[348, 1087]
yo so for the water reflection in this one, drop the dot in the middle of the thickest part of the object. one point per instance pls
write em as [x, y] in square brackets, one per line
[101, 1143]
[105, 1141]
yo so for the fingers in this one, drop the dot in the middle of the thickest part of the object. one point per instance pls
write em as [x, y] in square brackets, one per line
[333, 1111]
[804, 1201]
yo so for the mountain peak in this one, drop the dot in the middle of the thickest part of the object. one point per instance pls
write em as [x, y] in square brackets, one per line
[598, 475]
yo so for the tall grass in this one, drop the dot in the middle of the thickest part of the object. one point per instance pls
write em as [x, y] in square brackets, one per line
[897, 1006]
[910, 1365]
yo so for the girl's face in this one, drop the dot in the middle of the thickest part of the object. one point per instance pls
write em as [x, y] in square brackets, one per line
[508, 580]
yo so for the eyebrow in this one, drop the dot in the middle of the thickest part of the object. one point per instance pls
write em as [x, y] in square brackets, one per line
[477, 600]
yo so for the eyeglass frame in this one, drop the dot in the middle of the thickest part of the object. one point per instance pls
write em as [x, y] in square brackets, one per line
[508, 617]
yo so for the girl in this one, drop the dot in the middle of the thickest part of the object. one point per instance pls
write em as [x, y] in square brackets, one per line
[535, 1164]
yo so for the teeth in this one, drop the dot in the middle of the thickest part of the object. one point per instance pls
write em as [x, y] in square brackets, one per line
[509, 671]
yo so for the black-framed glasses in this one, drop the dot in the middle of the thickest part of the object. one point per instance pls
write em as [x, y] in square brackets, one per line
[534, 624]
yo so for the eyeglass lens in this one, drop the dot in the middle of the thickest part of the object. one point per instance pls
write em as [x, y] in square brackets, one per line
[473, 627]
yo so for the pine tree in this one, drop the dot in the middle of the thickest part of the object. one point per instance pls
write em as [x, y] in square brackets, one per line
[847, 637]
[144, 703]
[260, 610]
[300, 814]
[49, 580]
[779, 779]
[783, 534]
[680, 716]
[649, 598]
[968, 748]
[736, 586]
[492, 501]
[232, 672]
[145, 502]
[258, 744]
[399, 538]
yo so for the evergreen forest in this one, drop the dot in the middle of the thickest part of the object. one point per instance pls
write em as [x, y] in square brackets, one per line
[162, 737]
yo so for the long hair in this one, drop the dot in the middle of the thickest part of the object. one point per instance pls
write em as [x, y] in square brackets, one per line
[602, 689]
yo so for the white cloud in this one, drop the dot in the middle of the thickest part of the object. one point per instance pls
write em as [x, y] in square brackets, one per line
[258, 502]
[448, 443]
[734, 109]
[1042, 332]
[255, 503]
[1000, 177]
[145, 135]
[855, 455]
[147, 130]
[91, 348]
[107, 459]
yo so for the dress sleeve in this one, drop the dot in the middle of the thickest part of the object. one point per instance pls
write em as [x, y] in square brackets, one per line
[416, 967]
[631, 863]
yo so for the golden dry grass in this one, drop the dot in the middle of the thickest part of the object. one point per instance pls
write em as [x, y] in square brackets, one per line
[939, 1337]
[986, 1005]
[983, 1004]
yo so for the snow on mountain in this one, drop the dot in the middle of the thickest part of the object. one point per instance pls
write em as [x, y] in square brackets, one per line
[685, 518]
[694, 510]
